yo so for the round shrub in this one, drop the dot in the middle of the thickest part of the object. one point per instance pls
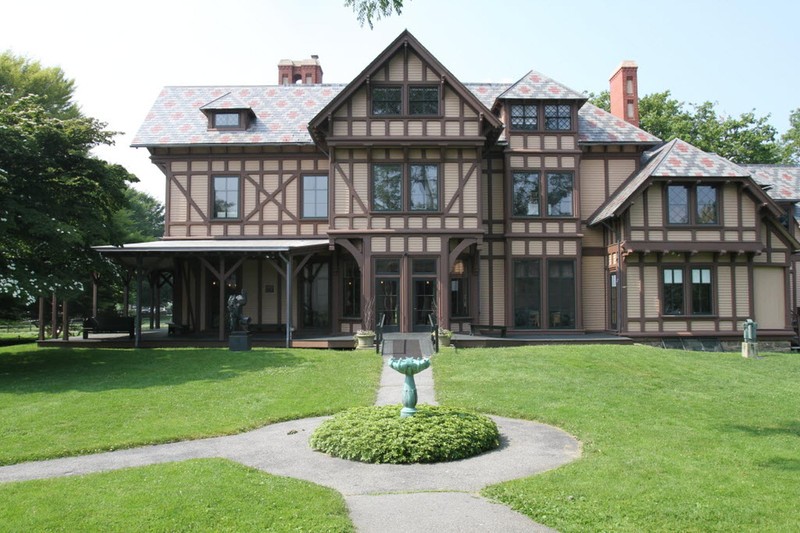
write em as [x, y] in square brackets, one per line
[378, 435]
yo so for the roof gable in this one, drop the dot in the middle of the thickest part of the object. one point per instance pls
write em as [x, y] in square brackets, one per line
[404, 41]
[536, 86]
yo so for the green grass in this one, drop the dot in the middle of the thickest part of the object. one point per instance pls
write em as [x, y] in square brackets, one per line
[58, 402]
[199, 495]
[672, 441]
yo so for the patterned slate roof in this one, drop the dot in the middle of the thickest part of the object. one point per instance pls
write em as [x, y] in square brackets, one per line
[675, 159]
[487, 93]
[536, 86]
[282, 115]
[226, 101]
[596, 125]
[784, 181]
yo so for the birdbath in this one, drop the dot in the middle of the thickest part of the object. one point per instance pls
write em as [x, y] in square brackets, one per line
[409, 366]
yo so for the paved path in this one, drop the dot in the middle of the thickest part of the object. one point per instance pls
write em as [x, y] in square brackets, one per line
[440, 497]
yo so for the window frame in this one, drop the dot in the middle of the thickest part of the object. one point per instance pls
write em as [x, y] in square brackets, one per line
[562, 173]
[303, 197]
[558, 117]
[688, 290]
[214, 114]
[693, 214]
[525, 115]
[374, 100]
[373, 206]
[405, 187]
[213, 197]
[515, 174]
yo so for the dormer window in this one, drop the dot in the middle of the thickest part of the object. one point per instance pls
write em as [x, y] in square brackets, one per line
[227, 119]
[558, 117]
[387, 100]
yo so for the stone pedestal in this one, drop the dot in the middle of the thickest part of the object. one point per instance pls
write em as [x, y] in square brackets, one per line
[239, 341]
[750, 350]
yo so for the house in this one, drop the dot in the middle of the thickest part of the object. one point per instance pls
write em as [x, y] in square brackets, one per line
[407, 192]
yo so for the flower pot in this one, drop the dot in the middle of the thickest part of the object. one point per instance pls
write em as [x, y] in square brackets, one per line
[444, 341]
[365, 340]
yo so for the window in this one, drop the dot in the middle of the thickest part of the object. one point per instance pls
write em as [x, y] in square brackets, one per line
[559, 194]
[227, 120]
[424, 187]
[612, 300]
[226, 197]
[387, 187]
[527, 293]
[526, 194]
[561, 294]
[558, 117]
[459, 290]
[390, 189]
[692, 204]
[525, 117]
[423, 101]
[700, 294]
[315, 197]
[387, 100]
[351, 288]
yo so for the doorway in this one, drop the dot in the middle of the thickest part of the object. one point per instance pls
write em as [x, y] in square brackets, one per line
[423, 293]
[387, 293]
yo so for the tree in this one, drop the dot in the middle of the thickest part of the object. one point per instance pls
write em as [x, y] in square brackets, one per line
[21, 77]
[791, 140]
[743, 139]
[369, 10]
[56, 200]
[142, 219]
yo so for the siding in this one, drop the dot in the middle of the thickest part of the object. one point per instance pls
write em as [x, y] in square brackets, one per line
[594, 298]
[770, 297]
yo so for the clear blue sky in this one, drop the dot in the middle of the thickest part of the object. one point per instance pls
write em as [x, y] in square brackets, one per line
[742, 55]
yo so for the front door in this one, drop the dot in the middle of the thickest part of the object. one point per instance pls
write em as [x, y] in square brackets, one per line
[387, 293]
[423, 293]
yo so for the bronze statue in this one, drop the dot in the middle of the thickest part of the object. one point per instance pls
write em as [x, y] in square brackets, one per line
[236, 321]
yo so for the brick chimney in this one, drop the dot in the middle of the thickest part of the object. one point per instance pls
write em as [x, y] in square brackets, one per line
[307, 71]
[625, 93]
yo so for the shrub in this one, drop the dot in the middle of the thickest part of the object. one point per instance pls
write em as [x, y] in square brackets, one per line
[378, 435]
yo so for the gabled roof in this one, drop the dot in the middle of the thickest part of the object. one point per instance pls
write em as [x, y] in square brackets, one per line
[282, 114]
[405, 39]
[597, 126]
[782, 182]
[675, 159]
[536, 86]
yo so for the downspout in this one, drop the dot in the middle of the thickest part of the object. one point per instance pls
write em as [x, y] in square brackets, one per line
[138, 326]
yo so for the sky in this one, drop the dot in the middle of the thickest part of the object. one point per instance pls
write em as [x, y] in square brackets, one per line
[742, 55]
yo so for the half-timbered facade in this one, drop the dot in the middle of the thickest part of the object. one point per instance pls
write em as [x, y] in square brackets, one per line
[407, 192]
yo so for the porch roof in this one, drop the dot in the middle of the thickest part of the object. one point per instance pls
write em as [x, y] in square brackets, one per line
[211, 246]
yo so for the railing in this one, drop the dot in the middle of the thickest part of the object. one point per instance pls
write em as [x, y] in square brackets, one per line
[379, 333]
[434, 332]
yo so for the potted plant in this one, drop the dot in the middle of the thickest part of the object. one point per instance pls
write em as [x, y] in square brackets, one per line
[365, 338]
[445, 335]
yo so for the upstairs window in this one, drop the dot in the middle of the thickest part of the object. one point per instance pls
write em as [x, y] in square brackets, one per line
[424, 180]
[692, 204]
[387, 101]
[315, 196]
[526, 194]
[227, 120]
[559, 194]
[226, 197]
[423, 100]
[558, 117]
[525, 117]
[387, 187]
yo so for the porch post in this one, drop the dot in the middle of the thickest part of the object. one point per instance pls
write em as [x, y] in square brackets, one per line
[288, 265]
[138, 320]
[54, 317]
[41, 318]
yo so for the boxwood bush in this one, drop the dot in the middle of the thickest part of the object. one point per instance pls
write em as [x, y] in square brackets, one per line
[378, 435]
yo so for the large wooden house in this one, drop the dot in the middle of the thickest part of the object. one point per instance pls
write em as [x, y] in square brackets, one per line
[408, 192]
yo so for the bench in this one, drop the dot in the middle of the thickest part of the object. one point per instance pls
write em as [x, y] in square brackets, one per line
[109, 324]
[177, 329]
[485, 327]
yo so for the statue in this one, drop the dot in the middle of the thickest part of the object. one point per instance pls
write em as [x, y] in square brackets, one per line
[236, 321]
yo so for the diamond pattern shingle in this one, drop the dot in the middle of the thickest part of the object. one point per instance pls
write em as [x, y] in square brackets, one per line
[784, 181]
[596, 125]
[282, 114]
[536, 86]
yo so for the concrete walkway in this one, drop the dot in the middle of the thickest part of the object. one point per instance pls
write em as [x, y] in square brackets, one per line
[440, 497]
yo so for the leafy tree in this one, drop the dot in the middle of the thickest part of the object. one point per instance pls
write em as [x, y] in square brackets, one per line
[56, 200]
[791, 140]
[372, 10]
[142, 219]
[22, 77]
[743, 139]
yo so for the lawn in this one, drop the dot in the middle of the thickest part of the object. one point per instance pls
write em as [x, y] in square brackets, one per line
[58, 402]
[198, 495]
[672, 440]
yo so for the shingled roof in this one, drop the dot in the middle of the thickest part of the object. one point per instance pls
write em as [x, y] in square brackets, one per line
[783, 182]
[675, 159]
[597, 126]
[282, 114]
[536, 86]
